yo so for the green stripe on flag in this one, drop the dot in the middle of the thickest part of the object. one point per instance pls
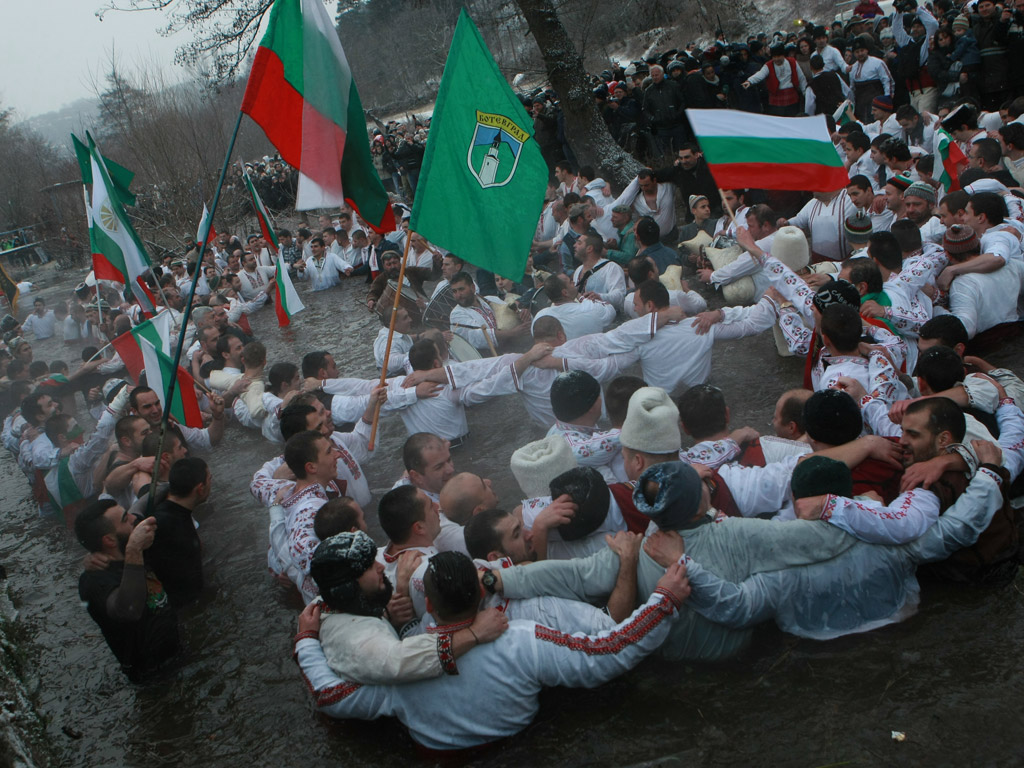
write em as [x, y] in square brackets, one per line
[738, 149]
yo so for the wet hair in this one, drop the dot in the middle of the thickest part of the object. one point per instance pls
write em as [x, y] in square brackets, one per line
[948, 329]
[91, 524]
[884, 247]
[481, 533]
[763, 214]
[940, 367]
[15, 368]
[412, 451]
[908, 239]
[302, 449]
[554, 287]
[462, 277]
[842, 324]
[991, 205]
[546, 327]
[423, 354]
[943, 416]
[281, 374]
[617, 395]
[639, 269]
[831, 416]
[185, 475]
[56, 426]
[647, 231]
[293, 419]
[819, 476]
[589, 492]
[398, 511]
[38, 368]
[125, 427]
[312, 362]
[31, 410]
[791, 410]
[152, 440]
[864, 271]
[573, 394]
[336, 516]
[654, 291]
[702, 411]
[452, 585]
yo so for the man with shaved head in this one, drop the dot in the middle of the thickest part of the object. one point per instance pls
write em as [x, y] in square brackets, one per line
[462, 497]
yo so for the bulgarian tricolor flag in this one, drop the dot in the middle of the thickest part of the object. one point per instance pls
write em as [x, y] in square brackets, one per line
[262, 214]
[151, 341]
[288, 301]
[206, 232]
[63, 489]
[302, 94]
[117, 251]
[747, 150]
[951, 157]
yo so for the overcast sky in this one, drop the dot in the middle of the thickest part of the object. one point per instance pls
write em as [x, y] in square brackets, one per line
[54, 49]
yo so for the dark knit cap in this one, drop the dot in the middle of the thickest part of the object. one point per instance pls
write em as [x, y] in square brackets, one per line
[678, 497]
[832, 417]
[901, 181]
[858, 227]
[883, 102]
[820, 475]
[573, 394]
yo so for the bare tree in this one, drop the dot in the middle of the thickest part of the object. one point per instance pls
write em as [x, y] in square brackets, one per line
[587, 132]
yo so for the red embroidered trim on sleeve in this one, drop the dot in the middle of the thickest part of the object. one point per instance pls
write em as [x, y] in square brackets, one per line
[446, 654]
[628, 634]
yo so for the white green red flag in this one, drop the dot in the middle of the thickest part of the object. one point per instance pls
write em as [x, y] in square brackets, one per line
[744, 150]
[151, 342]
[287, 302]
[951, 157]
[262, 214]
[61, 485]
[206, 232]
[843, 113]
[117, 251]
[302, 94]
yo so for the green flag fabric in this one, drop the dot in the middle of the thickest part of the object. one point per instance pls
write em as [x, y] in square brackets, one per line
[120, 177]
[482, 184]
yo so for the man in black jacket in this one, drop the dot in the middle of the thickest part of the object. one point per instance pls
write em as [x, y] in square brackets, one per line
[663, 107]
[690, 173]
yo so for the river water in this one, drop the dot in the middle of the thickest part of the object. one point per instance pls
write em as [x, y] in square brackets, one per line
[950, 678]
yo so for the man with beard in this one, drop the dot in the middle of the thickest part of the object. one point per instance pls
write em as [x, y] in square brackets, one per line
[358, 638]
[474, 320]
[125, 599]
[391, 264]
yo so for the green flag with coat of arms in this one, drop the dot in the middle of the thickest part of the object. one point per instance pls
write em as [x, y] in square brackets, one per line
[482, 184]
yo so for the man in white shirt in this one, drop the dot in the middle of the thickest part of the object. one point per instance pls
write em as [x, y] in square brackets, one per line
[863, 195]
[831, 57]
[254, 279]
[822, 220]
[918, 206]
[474, 320]
[42, 322]
[857, 146]
[578, 316]
[325, 268]
[649, 198]
[981, 301]
[869, 78]
[597, 278]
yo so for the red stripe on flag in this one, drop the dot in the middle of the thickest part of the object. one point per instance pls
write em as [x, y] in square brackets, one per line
[272, 102]
[189, 402]
[128, 348]
[243, 323]
[282, 316]
[799, 177]
[104, 270]
[387, 224]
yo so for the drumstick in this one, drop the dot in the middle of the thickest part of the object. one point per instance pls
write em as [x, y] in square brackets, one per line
[479, 328]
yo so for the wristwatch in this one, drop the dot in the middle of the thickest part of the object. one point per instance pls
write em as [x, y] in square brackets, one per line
[490, 582]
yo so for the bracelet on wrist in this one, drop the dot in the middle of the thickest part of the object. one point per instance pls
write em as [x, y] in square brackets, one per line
[476, 640]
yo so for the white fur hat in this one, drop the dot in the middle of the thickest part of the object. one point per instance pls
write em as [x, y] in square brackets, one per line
[536, 464]
[790, 247]
[652, 422]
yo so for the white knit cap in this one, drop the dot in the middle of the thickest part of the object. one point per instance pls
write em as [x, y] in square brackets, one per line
[536, 464]
[652, 423]
[789, 245]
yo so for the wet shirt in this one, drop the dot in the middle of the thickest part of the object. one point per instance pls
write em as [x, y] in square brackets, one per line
[139, 645]
[176, 555]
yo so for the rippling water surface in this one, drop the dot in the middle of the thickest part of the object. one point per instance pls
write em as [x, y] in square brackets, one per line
[950, 678]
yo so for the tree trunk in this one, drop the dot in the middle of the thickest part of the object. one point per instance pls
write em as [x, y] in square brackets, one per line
[584, 127]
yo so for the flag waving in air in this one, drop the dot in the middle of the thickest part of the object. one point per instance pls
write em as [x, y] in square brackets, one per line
[117, 251]
[206, 233]
[301, 93]
[262, 214]
[743, 150]
[481, 162]
[952, 157]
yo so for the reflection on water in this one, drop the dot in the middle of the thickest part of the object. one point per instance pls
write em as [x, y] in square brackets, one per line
[950, 677]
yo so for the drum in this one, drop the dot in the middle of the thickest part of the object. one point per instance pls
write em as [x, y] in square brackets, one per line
[461, 350]
[439, 309]
[406, 300]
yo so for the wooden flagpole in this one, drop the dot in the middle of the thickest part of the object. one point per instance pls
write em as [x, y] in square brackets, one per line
[391, 336]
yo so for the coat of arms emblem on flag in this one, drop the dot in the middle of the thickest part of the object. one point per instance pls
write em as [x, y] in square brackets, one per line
[494, 151]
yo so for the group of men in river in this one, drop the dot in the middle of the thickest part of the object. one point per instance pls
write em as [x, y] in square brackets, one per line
[894, 456]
